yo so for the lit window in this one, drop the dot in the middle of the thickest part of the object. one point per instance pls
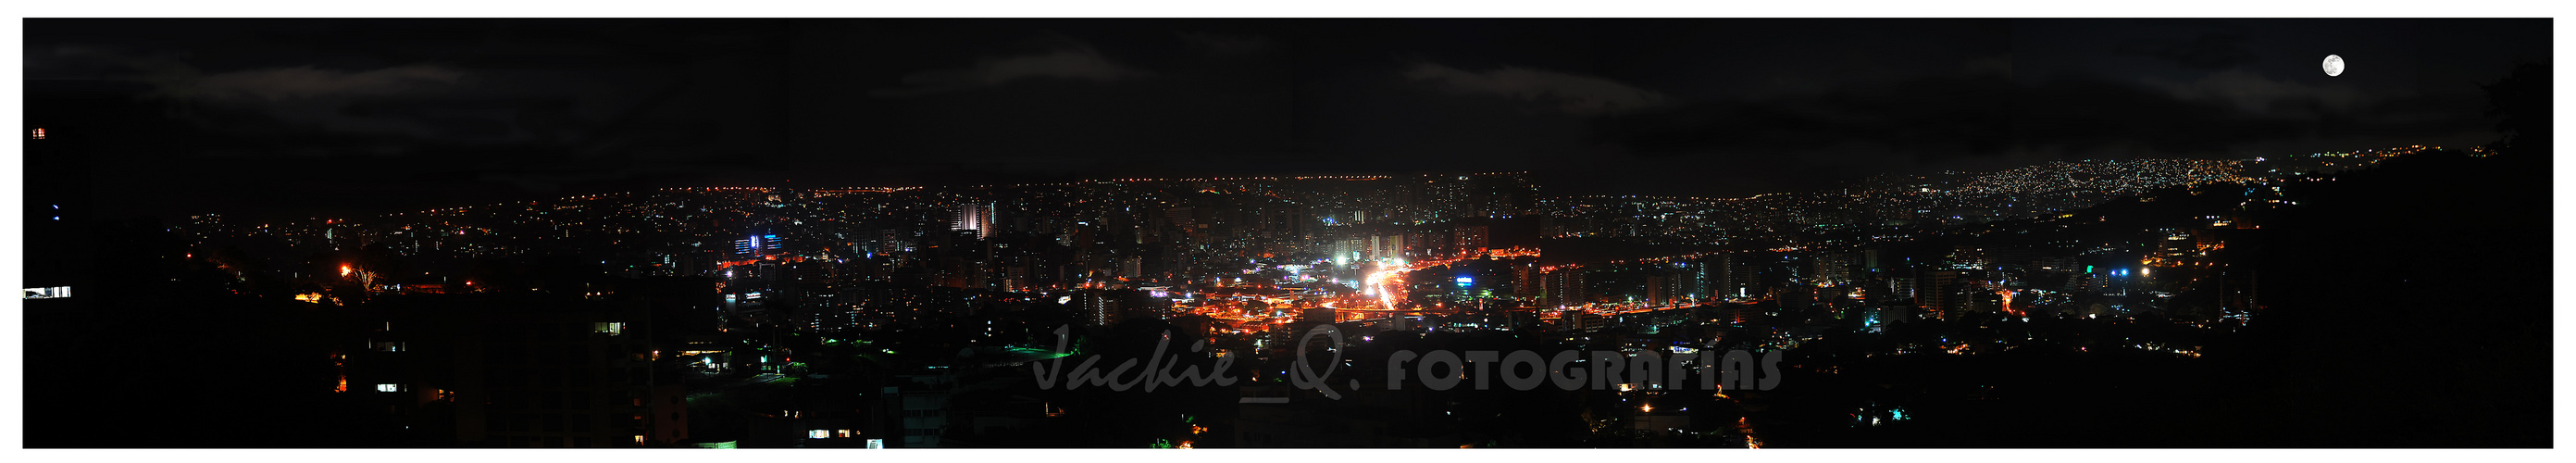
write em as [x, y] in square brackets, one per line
[54, 292]
[389, 388]
[639, 438]
[819, 434]
[845, 433]
[40, 134]
[612, 328]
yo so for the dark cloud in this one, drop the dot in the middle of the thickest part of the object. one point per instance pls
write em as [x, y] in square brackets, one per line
[2086, 117]
[1570, 93]
[1991, 66]
[1067, 60]
[364, 116]
[2208, 52]
[432, 111]
[2256, 93]
[1227, 45]
[302, 82]
[1937, 117]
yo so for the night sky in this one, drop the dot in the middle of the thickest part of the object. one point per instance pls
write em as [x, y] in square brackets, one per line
[321, 117]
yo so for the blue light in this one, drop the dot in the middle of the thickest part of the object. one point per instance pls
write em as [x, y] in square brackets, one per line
[1463, 281]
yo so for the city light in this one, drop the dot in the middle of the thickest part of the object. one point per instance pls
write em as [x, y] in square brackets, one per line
[1669, 280]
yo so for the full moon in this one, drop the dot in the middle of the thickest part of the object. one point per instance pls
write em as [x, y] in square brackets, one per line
[2334, 65]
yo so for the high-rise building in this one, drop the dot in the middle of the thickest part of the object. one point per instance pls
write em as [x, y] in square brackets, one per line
[1834, 268]
[1734, 274]
[1525, 279]
[1470, 238]
[1565, 287]
[758, 245]
[1936, 293]
[976, 217]
[1097, 308]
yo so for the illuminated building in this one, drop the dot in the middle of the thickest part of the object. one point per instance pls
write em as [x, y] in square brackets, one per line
[515, 371]
[758, 245]
[1470, 238]
[1834, 268]
[974, 216]
[1939, 293]
[1565, 287]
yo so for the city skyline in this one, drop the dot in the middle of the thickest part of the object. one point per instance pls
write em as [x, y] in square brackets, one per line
[1288, 233]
